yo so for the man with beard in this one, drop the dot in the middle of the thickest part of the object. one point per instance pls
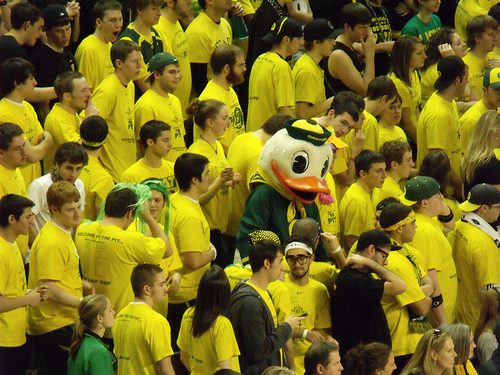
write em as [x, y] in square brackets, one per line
[158, 103]
[228, 65]
[308, 298]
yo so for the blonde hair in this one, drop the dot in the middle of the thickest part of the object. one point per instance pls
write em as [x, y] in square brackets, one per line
[489, 313]
[432, 340]
[460, 333]
[482, 144]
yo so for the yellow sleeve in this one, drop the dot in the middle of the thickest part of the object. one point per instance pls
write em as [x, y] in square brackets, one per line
[284, 87]
[101, 190]
[185, 331]
[87, 66]
[323, 319]
[225, 341]
[404, 91]
[371, 132]
[50, 260]
[188, 242]
[304, 91]
[247, 7]
[438, 135]
[158, 339]
[340, 162]
[199, 48]
[355, 218]
[281, 300]
[142, 115]
[426, 245]
[104, 102]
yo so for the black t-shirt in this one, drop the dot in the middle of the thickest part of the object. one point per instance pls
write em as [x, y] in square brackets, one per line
[488, 173]
[334, 86]
[9, 47]
[357, 314]
[49, 64]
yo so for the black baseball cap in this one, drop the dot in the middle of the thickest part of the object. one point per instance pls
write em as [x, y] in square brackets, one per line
[281, 28]
[479, 195]
[449, 68]
[376, 238]
[55, 15]
[318, 29]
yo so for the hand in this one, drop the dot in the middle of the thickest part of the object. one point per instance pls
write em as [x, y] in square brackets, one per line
[356, 261]
[237, 9]
[358, 140]
[227, 174]
[446, 50]
[331, 339]
[402, 10]
[294, 321]
[44, 292]
[314, 336]
[88, 288]
[493, 63]
[47, 137]
[33, 297]
[281, 277]
[368, 44]
[73, 8]
[236, 180]
[91, 109]
[174, 283]
[331, 241]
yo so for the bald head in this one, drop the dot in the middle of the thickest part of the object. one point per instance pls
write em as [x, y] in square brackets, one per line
[306, 227]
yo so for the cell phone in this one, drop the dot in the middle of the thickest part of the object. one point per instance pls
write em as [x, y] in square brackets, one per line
[303, 315]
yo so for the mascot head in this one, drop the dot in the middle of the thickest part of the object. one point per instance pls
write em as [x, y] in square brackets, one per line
[297, 158]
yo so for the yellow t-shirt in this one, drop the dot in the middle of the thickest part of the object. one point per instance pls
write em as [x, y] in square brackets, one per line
[116, 105]
[108, 254]
[477, 70]
[269, 302]
[329, 212]
[191, 233]
[94, 60]
[370, 130]
[216, 210]
[139, 171]
[243, 156]
[24, 115]
[312, 299]
[63, 127]
[466, 10]
[203, 36]
[396, 307]
[12, 182]
[12, 285]
[427, 80]
[411, 95]
[390, 188]
[152, 106]
[180, 49]
[142, 338]
[468, 123]
[309, 81]
[230, 99]
[356, 212]
[478, 264]
[271, 86]
[98, 184]
[495, 54]
[438, 128]
[430, 241]
[213, 346]
[53, 257]
[394, 134]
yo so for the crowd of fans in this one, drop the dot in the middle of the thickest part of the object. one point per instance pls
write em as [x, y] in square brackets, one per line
[135, 234]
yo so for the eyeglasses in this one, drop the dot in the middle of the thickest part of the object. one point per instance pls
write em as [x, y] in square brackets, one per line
[386, 254]
[317, 236]
[301, 259]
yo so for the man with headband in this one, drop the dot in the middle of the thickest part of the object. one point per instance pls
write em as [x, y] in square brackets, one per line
[357, 314]
[308, 297]
[406, 312]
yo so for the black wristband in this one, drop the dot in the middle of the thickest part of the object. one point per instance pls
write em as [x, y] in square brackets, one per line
[437, 301]
[447, 218]
[3, 3]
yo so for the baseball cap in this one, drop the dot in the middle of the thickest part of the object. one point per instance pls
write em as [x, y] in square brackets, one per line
[307, 130]
[281, 28]
[418, 188]
[318, 29]
[53, 14]
[159, 61]
[479, 195]
[492, 78]
[376, 238]
[449, 68]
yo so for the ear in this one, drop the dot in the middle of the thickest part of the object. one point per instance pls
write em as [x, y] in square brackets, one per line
[146, 290]
[53, 210]
[362, 174]
[11, 219]
[320, 369]
[118, 63]
[394, 164]
[383, 99]
[457, 81]
[312, 259]
[346, 26]
[331, 114]
[27, 25]
[433, 355]
[157, 76]
[150, 142]
[66, 96]
[286, 39]
[267, 264]
[170, 4]
[370, 250]
[227, 69]
[485, 90]
[98, 22]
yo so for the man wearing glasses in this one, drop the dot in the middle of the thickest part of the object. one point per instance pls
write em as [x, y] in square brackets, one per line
[357, 314]
[308, 297]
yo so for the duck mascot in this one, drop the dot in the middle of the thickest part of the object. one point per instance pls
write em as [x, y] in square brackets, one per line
[292, 165]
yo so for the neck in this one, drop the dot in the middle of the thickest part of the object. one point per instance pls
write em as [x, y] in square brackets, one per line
[54, 47]
[448, 94]
[157, 89]
[170, 14]
[151, 159]
[8, 234]
[315, 55]
[64, 105]
[302, 281]
[7, 166]
[383, 124]
[260, 279]
[488, 104]
[262, 135]
[120, 222]
[394, 175]
[221, 80]
[94, 153]
[208, 135]
[191, 193]
[19, 36]
[15, 96]
[396, 237]
[360, 182]
[372, 107]
[346, 39]
[423, 211]
[99, 330]
[99, 35]
[424, 15]
[213, 14]
[124, 80]
[375, 3]
[280, 50]
[56, 220]
[478, 52]
[145, 299]
[141, 27]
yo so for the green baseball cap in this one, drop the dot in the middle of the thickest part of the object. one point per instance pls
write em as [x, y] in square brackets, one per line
[492, 78]
[159, 61]
[418, 188]
[307, 130]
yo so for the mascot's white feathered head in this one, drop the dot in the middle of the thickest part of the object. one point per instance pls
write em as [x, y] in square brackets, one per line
[297, 158]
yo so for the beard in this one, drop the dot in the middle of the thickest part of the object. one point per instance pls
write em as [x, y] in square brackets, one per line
[235, 79]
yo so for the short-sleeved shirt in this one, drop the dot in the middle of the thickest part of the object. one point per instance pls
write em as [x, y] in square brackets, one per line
[390, 188]
[139, 172]
[394, 134]
[356, 212]
[329, 208]
[410, 94]
[212, 347]
[477, 70]
[271, 86]
[424, 30]
[438, 128]
[9, 47]
[94, 60]
[357, 314]
[116, 105]
[466, 10]
[468, 123]
[427, 79]
[309, 81]
[325, 273]
[12, 285]
[191, 233]
[50, 63]
[370, 130]
[478, 264]
[53, 257]
[230, 99]
[142, 338]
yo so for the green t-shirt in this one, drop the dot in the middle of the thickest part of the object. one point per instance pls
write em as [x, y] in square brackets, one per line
[423, 30]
